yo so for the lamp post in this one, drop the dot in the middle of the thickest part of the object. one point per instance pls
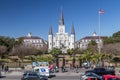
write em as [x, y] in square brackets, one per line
[56, 60]
[73, 62]
[63, 51]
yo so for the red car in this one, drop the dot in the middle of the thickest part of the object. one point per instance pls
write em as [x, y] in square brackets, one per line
[104, 77]
[111, 77]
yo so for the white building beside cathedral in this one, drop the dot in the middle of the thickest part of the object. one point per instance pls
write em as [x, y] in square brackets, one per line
[83, 43]
[61, 39]
[33, 41]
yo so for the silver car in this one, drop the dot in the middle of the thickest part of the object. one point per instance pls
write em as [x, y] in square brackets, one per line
[90, 75]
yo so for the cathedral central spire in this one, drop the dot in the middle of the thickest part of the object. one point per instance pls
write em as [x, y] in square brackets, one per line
[73, 30]
[61, 18]
[50, 31]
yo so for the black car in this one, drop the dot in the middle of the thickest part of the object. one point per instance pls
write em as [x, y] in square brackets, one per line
[33, 76]
[101, 71]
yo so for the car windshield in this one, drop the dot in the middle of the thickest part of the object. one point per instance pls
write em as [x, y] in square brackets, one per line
[33, 75]
[99, 69]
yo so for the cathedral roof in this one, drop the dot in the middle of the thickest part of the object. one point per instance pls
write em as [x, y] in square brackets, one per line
[61, 18]
[50, 31]
[73, 30]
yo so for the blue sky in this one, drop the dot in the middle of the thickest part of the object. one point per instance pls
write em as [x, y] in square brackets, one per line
[18, 17]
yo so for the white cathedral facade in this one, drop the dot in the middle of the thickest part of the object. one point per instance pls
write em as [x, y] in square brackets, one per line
[61, 39]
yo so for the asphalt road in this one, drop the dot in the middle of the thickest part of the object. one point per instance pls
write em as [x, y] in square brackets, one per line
[70, 75]
[59, 76]
[14, 75]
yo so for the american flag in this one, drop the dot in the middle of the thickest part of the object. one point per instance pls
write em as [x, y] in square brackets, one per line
[101, 11]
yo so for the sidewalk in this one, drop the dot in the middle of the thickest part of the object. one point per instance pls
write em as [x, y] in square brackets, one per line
[17, 73]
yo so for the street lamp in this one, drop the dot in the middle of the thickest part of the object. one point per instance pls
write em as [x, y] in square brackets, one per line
[73, 59]
[63, 51]
[56, 60]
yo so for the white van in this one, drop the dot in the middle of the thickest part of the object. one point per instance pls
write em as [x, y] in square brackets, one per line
[42, 68]
[42, 71]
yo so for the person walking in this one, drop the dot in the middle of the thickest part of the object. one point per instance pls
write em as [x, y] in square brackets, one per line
[70, 66]
[2, 67]
[77, 67]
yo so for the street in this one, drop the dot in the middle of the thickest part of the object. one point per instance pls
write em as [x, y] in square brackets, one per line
[70, 75]
[59, 76]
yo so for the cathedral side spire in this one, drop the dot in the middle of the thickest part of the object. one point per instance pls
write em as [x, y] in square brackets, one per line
[61, 18]
[73, 30]
[50, 31]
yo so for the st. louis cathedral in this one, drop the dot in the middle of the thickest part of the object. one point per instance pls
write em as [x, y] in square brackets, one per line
[62, 39]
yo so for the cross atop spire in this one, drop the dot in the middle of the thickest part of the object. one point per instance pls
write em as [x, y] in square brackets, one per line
[50, 31]
[61, 22]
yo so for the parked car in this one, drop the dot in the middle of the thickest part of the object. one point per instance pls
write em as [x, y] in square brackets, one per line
[104, 77]
[101, 71]
[90, 75]
[30, 75]
[111, 77]
[93, 76]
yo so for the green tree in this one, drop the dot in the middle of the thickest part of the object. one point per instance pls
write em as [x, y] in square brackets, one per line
[87, 54]
[8, 43]
[55, 51]
[108, 40]
[116, 36]
[19, 40]
[39, 52]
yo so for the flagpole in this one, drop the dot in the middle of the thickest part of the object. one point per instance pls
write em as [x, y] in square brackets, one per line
[99, 31]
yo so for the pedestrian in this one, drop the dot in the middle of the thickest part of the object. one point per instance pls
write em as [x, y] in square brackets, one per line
[74, 67]
[70, 66]
[62, 68]
[5, 69]
[2, 67]
[51, 68]
[77, 67]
